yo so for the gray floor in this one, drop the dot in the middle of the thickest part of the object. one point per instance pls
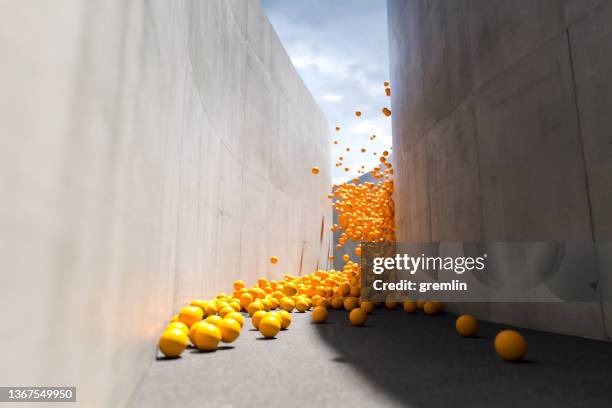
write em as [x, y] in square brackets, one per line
[396, 360]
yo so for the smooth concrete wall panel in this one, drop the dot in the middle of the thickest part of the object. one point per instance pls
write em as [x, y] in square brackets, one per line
[434, 61]
[409, 98]
[453, 177]
[591, 42]
[152, 152]
[502, 31]
[532, 172]
[508, 101]
[458, 52]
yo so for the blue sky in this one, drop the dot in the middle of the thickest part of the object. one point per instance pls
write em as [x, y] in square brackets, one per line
[339, 47]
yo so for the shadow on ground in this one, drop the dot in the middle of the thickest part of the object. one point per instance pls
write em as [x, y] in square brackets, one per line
[422, 362]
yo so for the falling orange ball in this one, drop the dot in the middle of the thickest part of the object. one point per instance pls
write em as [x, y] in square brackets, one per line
[315, 170]
[337, 128]
[357, 113]
[386, 112]
[386, 83]
[274, 259]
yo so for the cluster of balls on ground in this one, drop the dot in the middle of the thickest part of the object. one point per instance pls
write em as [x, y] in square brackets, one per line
[270, 304]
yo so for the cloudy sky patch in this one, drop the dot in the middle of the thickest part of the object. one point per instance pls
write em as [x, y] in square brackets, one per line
[340, 50]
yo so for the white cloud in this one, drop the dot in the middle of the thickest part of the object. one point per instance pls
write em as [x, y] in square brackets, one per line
[330, 97]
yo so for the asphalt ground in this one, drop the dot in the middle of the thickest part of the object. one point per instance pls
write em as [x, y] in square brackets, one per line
[396, 359]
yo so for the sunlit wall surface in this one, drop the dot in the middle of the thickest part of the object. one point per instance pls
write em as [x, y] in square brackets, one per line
[152, 152]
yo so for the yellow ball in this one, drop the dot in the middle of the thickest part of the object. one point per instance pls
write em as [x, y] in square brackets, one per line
[256, 318]
[290, 289]
[367, 306]
[466, 325]
[239, 285]
[173, 342]
[323, 303]
[230, 329]
[389, 304]
[315, 170]
[337, 302]
[246, 299]
[410, 306]
[254, 308]
[285, 319]
[178, 325]
[276, 315]
[236, 305]
[350, 303]
[319, 314]
[357, 316]
[267, 304]
[510, 345]
[194, 328]
[274, 259]
[287, 304]
[269, 326]
[207, 337]
[214, 320]
[237, 317]
[211, 309]
[302, 305]
[225, 311]
[431, 308]
[190, 314]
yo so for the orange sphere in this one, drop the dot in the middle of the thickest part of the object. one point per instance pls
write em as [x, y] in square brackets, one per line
[510, 345]
[431, 308]
[319, 314]
[410, 306]
[357, 316]
[466, 325]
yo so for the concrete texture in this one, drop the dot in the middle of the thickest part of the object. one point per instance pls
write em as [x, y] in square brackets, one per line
[152, 152]
[395, 360]
[501, 133]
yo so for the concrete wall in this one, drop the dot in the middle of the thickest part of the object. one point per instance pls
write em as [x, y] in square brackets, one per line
[501, 131]
[152, 152]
